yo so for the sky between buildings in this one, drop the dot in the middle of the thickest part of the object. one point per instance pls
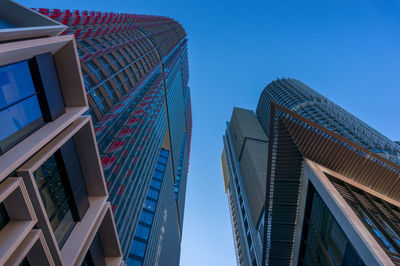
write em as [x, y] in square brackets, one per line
[349, 51]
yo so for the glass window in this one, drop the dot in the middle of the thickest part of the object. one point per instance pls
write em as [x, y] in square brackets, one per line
[19, 116]
[15, 83]
[138, 248]
[19, 106]
[146, 217]
[150, 205]
[160, 167]
[152, 194]
[55, 200]
[162, 160]
[143, 231]
[155, 184]
[158, 175]
[134, 262]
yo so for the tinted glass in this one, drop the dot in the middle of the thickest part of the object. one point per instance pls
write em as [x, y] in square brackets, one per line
[138, 248]
[18, 116]
[15, 83]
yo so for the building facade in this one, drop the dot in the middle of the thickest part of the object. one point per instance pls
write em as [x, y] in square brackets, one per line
[135, 70]
[307, 184]
[54, 207]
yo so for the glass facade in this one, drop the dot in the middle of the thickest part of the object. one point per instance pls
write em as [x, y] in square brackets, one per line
[19, 105]
[381, 218]
[323, 241]
[135, 69]
[298, 97]
[55, 199]
[142, 233]
[179, 172]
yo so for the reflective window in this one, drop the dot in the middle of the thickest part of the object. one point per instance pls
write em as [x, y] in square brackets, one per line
[143, 231]
[152, 194]
[160, 167]
[19, 106]
[55, 199]
[146, 217]
[158, 175]
[150, 205]
[138, 248]
[155, 184]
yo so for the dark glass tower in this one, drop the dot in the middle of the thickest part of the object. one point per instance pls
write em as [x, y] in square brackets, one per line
[310, 184]
[135, 69]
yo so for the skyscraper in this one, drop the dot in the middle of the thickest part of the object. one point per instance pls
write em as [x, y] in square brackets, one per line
[135, 70]
[53, 196]
[308, 183]
[298, 97]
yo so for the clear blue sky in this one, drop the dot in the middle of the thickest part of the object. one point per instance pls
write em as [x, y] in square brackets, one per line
[349, 51]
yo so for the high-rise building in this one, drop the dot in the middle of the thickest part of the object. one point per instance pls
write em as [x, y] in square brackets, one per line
[308, 183]
[298, 97]
[53, 195]
[135, 70]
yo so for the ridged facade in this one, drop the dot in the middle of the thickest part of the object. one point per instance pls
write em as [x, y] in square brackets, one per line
[135, 69]
[300, 98]
[330, 187]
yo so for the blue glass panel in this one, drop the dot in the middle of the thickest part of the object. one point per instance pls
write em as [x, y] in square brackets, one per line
[155, 184]
[158, 175]
[133, 262]
[15, 83]
[18, 116]
[150, 205]
[143, 231]
[138, 248]
[160, 167]
[162, 160]
[152, 194]
[146, 217]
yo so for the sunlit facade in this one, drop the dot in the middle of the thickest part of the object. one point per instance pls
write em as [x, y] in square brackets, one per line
[310, 184]
[135, 71]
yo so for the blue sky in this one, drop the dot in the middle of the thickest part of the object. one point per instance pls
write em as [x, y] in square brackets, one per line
[349, 51]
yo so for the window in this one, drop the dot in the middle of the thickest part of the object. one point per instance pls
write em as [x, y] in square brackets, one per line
[4, 219]
[146, 217]
[134, 262]
[162, 160]
[152, 194]
[150, 205]
[155, 184]
[158, 175]
[160, 167]
[143, 231]
[138, 248]
[55, 200]
[19, 106]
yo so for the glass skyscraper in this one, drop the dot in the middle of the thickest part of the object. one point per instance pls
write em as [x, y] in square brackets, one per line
[135, 70]
[298, 97]
[310, 184]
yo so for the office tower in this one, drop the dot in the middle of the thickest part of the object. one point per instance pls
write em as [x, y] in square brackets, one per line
[53, 195]
[306, 185]
[135, 70]
[298, 97]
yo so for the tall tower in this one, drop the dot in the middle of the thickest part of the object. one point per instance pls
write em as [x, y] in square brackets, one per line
[308, 183]
[298, 97]
[54, 207]
[135, 70]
